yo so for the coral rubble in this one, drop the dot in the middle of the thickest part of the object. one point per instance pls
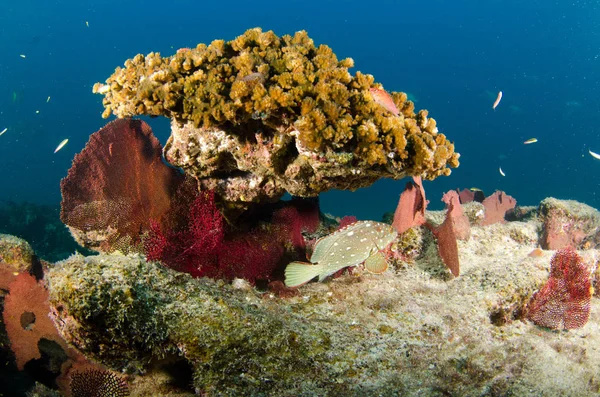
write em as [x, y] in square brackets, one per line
[260, 115]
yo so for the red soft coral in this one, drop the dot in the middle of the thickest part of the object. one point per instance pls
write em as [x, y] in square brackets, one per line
[252, 257]
[192, 250]
[296, 217]
[203, 250]
[564, 301]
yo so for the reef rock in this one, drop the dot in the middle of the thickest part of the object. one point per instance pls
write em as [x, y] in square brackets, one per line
[568, 223]
[409, 331]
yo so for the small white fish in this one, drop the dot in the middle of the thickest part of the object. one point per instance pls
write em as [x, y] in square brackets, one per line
[87, 24]
[3, 131]
[497, 101]
[61, 145]
[48, 100]
[22, 56]
[37, 111]
[530, 141]
[501, 172]
[593, 154]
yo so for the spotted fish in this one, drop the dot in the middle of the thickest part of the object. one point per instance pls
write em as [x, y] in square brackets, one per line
[356, 243]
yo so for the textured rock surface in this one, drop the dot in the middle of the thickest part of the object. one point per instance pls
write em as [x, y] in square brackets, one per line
[410, 331]
[16, 253]
[261, 114]
[568, 223]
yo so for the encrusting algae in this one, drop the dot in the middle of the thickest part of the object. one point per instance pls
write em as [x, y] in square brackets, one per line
[267, 111]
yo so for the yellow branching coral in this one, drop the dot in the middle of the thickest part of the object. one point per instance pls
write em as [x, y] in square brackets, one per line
[281, 86]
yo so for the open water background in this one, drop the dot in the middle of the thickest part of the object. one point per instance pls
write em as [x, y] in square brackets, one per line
[452, 57]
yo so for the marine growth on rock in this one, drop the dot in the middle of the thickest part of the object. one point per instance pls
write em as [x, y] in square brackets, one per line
[260, 115]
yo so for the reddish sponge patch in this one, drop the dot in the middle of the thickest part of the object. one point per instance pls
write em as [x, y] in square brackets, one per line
[26, 318]
[564, 301]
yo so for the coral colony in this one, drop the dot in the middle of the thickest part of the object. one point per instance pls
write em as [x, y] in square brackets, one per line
[193, 254]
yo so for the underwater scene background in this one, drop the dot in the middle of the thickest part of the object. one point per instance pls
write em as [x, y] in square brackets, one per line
[451, 58]
[151, 254]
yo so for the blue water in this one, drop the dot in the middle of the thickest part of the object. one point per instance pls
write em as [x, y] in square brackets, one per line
[453, 57]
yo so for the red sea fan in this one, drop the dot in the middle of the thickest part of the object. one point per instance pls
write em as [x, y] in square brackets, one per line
[296, 217]
[116, 185]
[564, 301]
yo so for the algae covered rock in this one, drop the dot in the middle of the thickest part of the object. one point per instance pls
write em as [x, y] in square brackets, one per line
[126, 313]
[260, 115]
[408, 332]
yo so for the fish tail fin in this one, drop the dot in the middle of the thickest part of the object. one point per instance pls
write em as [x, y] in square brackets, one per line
[298, 273]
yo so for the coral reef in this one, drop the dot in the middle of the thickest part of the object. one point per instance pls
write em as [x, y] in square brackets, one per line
[16, 256]
[116, 185]
[222, 332]
[260, 115]
[408, 331]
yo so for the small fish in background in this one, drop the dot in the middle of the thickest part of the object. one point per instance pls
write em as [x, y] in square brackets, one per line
[593, 154]
[501, 172]
[497, 101]
[48, 100]
[87, 24]
[3, 131]
[61, 145]
[22, 56]
[356, 243]
[382, 98]
[530, 141]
